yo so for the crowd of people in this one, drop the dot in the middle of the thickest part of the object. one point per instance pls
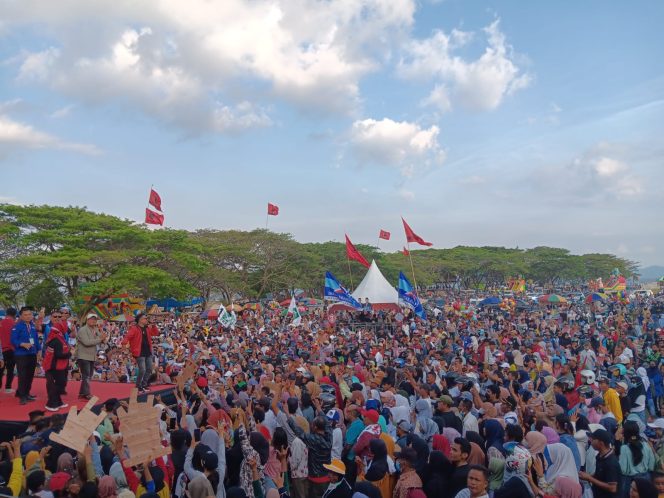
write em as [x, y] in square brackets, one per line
[495, 402]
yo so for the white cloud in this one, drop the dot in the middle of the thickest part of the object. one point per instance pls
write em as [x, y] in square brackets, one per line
[61, 113]
[592, 177]
[406, 195]
[399, 144]
[16, 135]
[480, 84]
[196, 64]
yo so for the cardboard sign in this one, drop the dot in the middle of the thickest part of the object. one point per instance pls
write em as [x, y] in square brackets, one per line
[79, 427]
[140, 430]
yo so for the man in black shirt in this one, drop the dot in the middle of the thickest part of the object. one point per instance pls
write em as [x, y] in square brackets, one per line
[444, 414]
[459, 453]
[604, 481]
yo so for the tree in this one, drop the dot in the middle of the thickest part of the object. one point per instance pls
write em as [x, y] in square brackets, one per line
[46, 294]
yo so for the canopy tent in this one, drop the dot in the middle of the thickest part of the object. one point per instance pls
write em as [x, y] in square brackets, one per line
[377, 289]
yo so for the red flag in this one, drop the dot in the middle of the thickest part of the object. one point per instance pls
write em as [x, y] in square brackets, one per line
[405, 252]
[272, 209]
[354, 254]
[413, 237]
[153, 218]
[384, 235]
[155, 200]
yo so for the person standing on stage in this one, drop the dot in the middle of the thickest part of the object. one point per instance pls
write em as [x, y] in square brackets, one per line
[140, 344]
[56, 364]
[26, 345]
[88, 338]
[6, 326]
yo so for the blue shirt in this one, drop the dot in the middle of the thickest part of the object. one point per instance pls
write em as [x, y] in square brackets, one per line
[24, 333]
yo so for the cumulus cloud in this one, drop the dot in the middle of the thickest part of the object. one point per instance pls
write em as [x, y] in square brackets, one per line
[405, 146]
[592, 177]
[208, 66]
[480, 84]
[15, 135]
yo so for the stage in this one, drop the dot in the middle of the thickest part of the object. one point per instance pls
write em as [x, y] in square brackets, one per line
[14, 417]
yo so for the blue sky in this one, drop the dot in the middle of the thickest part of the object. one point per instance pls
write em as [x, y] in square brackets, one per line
[482, 123]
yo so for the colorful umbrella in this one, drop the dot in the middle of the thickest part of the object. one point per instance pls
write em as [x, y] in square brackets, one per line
[596, 297]
[211, 314]
[490, 301]
[552, 299]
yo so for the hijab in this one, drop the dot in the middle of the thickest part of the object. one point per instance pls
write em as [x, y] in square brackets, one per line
[536, 442]
[561, 462]
[474, 437]
[516, 466]
[440, 443]
[65, 463]
[496, 473]
[378, 466]
[476, 456]
[494, 435]
[107, 487]
[567, 488]
[451, 434]
[644, 377]
[551, 435]
[199, 487]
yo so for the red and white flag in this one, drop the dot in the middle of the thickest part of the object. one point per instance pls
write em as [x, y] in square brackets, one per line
[383, 234]
[413, 237]
[155, 199]
[272, 209]
[153, 218]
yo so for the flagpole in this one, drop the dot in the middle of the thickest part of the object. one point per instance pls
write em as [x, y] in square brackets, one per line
[412, 268]
[350, 271]
[267, 217]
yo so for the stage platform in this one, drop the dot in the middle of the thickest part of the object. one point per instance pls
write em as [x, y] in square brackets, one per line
[14, 417]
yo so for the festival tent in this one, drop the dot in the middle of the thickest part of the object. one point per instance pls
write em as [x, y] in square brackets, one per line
[377, 289]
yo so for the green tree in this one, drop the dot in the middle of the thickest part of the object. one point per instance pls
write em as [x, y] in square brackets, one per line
[46, 294]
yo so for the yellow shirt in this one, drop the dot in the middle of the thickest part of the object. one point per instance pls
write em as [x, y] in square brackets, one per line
[612, 402]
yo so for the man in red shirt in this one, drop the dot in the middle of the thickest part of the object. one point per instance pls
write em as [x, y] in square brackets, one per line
[6, 326]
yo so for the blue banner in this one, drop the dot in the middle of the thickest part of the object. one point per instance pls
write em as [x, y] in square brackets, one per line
[334, 291]
[408, 298]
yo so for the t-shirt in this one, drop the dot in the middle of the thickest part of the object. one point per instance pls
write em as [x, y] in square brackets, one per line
[607, 469]
[145, 343]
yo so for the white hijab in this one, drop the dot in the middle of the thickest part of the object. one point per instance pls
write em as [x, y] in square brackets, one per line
[644, 377]
[561, 462]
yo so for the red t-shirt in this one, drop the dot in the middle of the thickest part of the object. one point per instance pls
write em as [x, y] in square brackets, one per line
[6, 326]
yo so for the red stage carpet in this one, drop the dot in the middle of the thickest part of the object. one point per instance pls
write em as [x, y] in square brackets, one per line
[12, 411]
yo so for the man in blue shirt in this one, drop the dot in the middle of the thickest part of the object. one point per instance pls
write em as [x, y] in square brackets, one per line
[26, 346]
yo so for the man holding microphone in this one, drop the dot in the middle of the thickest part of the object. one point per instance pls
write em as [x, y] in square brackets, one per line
[26, 344]
[88, 338]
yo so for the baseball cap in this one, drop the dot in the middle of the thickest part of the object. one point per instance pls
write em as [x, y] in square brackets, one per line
[657, 424]
[446, 399]
[91, 315]
[602, 435]
[372, 415]
[623, 385]
[504, 365]
[333, 415]
[201, 382]
[404, 425]
[58, 481]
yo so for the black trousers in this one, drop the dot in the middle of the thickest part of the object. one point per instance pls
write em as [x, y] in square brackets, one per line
[25, 367]
[10, 363]
[56, 380]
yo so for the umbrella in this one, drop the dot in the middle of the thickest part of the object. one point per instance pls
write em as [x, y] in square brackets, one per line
[596, 297]
[552, 299]
[490, 301]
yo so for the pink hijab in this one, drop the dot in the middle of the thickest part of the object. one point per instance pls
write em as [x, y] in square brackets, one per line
[551, 435]
[567, 488]
[536, 442]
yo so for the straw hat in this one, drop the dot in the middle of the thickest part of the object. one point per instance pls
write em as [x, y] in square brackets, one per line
[336, 466]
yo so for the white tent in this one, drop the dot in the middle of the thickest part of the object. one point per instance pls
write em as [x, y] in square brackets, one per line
[377, 289]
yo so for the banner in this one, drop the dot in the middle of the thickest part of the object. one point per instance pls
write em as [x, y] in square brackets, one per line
[292, 310]
[334, 291]
[226, 319]
[408, 298]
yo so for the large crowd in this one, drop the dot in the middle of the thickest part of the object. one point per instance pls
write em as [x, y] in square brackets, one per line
[557, 401]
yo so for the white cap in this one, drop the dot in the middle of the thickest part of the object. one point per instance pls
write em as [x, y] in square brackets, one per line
[228, 374]
[657, 423]
[96, 434]
[504, 365]
[623, 385]
[301, 369]
[91, 315]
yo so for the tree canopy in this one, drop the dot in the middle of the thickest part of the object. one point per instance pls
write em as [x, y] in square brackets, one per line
[77, 253]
